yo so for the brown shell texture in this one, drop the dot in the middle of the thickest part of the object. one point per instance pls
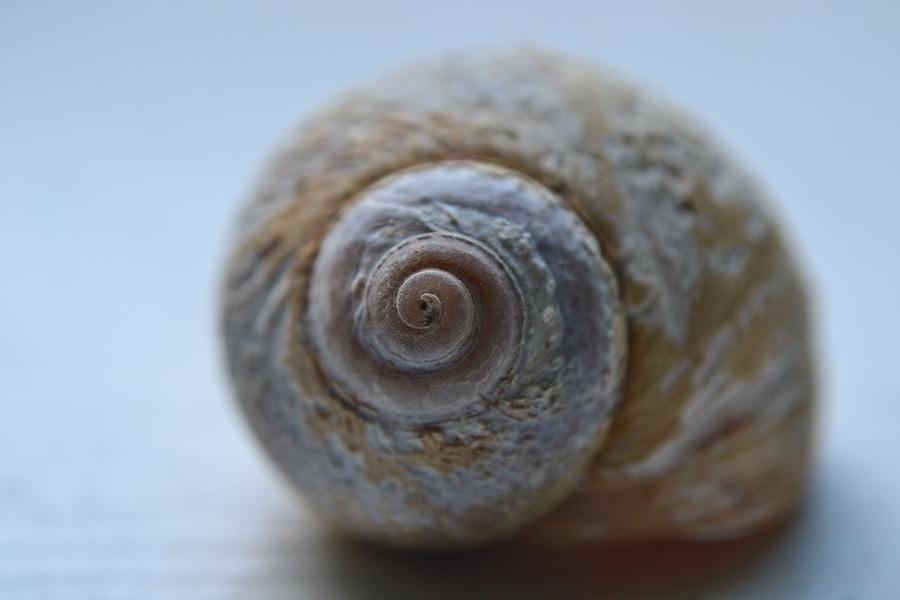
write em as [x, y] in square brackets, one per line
[510, 294]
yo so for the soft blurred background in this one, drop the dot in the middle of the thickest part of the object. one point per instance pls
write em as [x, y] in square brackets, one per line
[129, 133]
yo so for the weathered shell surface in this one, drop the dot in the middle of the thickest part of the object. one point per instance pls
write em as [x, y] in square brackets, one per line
[660, 385]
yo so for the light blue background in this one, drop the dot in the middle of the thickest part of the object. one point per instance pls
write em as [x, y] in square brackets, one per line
[129, 133]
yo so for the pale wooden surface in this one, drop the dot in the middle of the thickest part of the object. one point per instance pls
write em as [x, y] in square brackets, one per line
[127, 134]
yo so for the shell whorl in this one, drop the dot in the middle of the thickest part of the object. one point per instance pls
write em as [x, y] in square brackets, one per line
[438, 294]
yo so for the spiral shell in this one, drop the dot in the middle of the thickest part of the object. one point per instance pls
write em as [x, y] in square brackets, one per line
[510, 294]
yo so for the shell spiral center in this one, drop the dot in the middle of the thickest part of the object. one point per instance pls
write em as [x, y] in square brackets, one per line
[434, 299]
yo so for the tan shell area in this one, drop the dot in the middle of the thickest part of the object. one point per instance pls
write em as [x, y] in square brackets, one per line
[711, 437]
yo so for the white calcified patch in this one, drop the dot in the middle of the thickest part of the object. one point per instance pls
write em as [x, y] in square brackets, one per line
[746, 520]
[656, 233]
[719, 397]
[694, 504]
[658, 163]
[673, 376]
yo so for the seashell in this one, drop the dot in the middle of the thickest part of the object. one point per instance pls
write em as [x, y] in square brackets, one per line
[510, 294]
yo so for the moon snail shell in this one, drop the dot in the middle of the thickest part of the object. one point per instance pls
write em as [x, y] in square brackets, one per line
[496, 295]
